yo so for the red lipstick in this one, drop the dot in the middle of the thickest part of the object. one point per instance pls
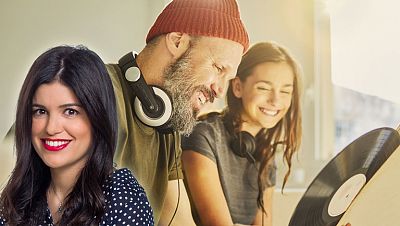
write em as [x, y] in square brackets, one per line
[55, 145]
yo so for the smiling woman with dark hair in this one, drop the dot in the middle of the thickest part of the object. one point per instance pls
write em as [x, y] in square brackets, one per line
[65, 138]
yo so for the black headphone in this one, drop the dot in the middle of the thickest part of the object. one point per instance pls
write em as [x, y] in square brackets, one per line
[244, 145]
[152, 105]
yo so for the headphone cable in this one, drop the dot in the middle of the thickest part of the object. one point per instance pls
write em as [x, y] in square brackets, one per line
[177, 177]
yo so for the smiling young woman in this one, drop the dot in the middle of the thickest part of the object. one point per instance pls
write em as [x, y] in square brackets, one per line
[236, 149]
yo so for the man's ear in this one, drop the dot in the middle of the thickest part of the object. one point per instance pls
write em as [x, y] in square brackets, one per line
[177, 43]
[237, 87]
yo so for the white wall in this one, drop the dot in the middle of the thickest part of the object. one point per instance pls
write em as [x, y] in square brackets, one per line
[367, 60]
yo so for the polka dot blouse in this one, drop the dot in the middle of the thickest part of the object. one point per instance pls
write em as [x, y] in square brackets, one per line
[126, 202]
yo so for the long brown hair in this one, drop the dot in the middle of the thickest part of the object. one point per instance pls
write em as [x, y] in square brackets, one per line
[287, 132]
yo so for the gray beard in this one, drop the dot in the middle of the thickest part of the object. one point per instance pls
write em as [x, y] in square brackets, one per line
[179, 83]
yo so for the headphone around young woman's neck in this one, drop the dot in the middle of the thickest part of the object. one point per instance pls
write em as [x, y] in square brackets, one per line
[244, 145]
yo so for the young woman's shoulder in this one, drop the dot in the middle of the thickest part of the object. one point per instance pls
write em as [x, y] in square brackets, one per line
[126, 200]
[210, 122]
[210, 117]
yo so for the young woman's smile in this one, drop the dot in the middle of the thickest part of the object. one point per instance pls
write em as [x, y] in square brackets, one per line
[55, 144]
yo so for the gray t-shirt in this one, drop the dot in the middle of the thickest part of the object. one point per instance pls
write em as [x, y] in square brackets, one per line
[237, 175]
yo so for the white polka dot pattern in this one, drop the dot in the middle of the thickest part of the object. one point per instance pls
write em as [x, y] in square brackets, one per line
[126, 202]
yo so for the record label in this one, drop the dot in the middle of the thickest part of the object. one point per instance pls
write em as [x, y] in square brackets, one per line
[343, 197]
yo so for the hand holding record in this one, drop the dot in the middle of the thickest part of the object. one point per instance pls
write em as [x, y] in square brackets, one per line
[332, 191]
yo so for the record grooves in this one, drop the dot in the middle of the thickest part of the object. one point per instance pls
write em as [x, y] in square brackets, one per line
[337, 184]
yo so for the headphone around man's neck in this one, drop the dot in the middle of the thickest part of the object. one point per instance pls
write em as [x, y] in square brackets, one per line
[152, 105]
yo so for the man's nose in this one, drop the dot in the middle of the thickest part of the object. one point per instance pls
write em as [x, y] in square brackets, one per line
[220, 87]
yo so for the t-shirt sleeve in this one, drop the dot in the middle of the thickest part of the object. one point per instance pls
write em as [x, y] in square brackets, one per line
[201, 140]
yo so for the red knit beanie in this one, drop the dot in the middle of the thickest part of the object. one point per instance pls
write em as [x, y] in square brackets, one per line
[214, 18]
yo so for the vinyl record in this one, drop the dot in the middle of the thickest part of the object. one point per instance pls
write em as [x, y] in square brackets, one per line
[334, 188]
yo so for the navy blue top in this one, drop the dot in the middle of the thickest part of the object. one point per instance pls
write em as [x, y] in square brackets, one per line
[126, 202]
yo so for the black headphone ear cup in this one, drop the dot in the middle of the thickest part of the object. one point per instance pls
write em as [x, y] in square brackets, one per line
[244, 146]
[165, 104]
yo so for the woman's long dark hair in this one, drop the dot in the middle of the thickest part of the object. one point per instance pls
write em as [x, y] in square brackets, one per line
[23, 200]
[287, 132]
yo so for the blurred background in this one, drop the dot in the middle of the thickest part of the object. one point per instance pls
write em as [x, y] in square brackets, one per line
[349, 52]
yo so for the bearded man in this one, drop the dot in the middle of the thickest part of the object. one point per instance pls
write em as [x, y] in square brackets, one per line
[193, 49]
